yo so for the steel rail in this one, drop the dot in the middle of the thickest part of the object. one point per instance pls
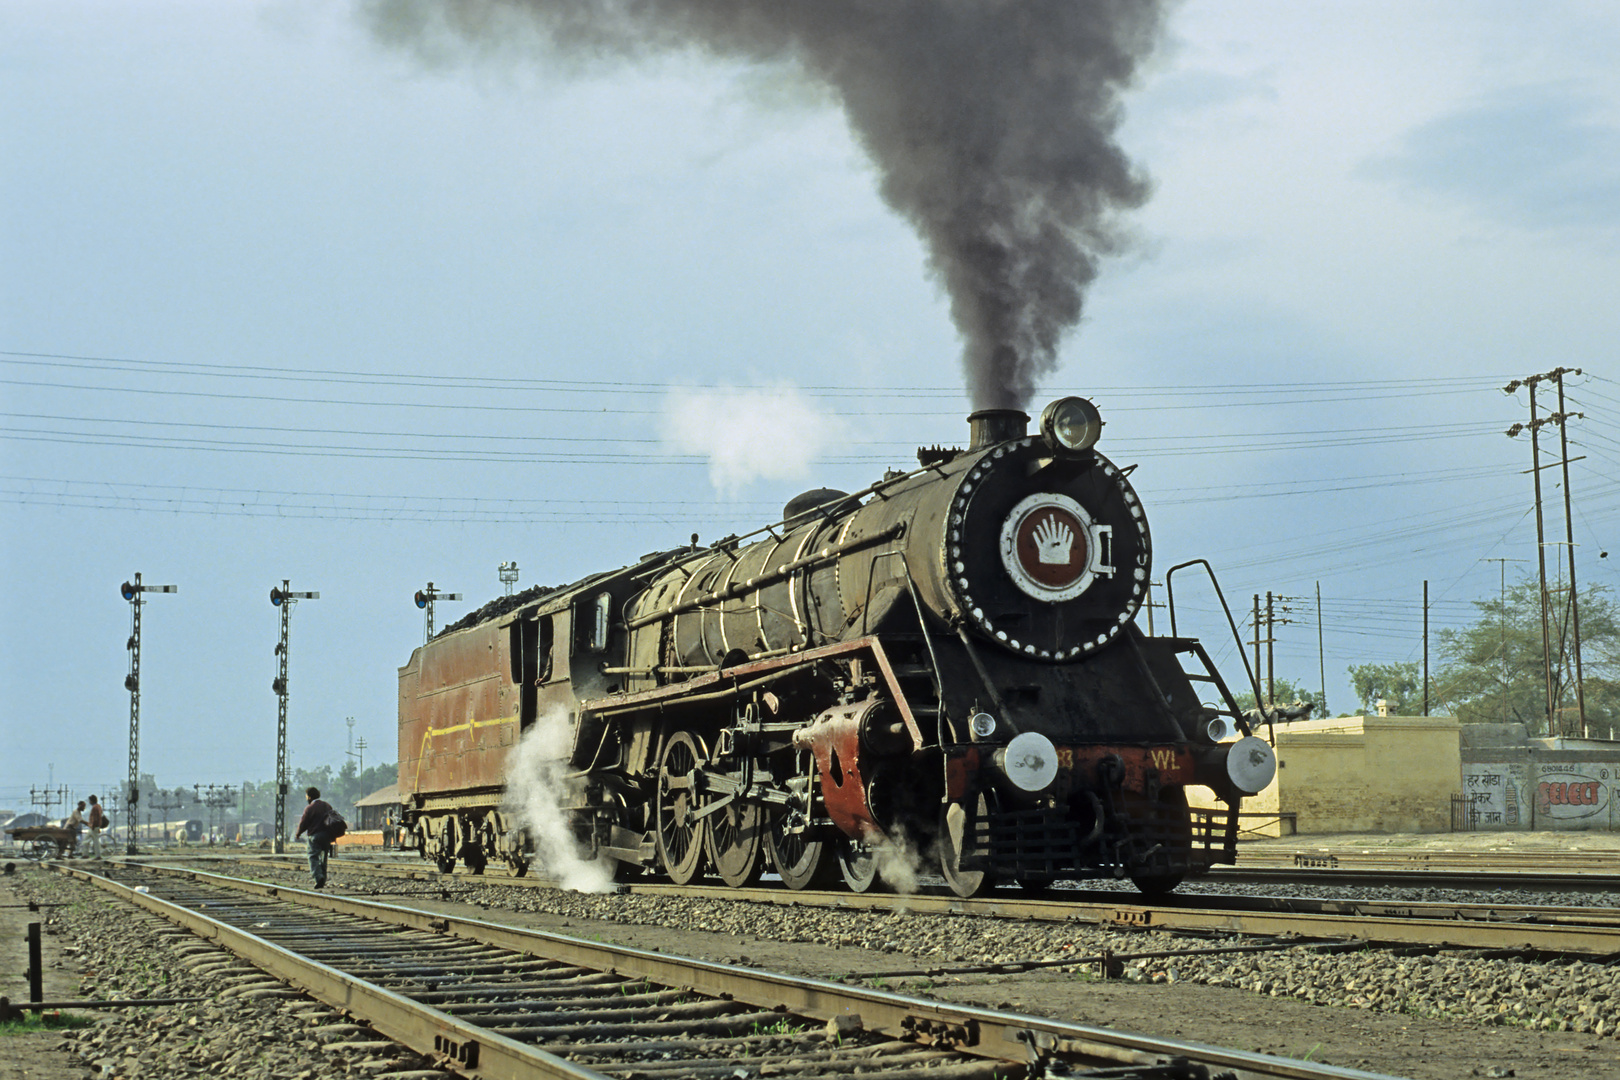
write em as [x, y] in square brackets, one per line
[422, 1028]
[1565, 930]
[1403, 878]
[1408, 879]
[1373, 922]
[1586, 871]
[1579, 875]
[1330, 858]
[984, 1033]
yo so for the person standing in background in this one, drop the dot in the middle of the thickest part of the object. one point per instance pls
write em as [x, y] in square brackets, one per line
[97, 822]
[75, 822]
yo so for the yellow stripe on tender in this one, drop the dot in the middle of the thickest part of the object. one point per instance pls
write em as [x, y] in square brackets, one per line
[431, 733]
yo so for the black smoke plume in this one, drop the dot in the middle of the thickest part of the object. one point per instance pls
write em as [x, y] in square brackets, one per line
[991, 122]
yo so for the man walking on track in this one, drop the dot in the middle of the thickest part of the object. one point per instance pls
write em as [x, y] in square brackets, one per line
[324, 825]
[97, 822]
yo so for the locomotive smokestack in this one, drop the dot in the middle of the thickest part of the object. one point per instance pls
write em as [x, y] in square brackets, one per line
[991, 426]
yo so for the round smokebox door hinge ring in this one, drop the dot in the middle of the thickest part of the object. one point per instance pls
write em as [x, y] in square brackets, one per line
[1052, 549]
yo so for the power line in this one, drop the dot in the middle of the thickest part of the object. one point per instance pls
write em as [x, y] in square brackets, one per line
[598, 440]
[452, 499]
[1147, 450]
[1383, 387]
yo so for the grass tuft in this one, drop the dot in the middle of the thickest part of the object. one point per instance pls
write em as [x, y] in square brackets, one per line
[44, 1021]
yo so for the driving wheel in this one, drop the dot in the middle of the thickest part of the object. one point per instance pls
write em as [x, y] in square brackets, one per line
[857, 861]
[680, 834]
[802, 862]
[953, 825]
[734, 843]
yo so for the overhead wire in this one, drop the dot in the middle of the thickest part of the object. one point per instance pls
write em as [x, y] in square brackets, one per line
[1384, 387]
[1237, 442]
[1368, 546]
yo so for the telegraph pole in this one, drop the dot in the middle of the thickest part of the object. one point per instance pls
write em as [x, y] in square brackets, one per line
[1541, 561]
[1148, 604]
[1321, 653]
[283, 598]
[1271, 659]
[1257, 667]
[164, 801]
[425, 599]
[134, 593]
[1569, 544]
[1535, 425]
[216, 797]
[1425, 646]
[47, 797]
[1274, 603]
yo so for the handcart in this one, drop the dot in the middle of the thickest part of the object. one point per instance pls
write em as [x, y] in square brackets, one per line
[45, 841]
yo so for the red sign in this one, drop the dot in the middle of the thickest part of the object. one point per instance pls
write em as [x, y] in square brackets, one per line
[1051, 546]
[1565, 793]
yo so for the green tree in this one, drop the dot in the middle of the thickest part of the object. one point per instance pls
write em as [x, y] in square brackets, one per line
[1495, 669]
[1400, 685]
[378, 776]
[346, 786]
[318, 777]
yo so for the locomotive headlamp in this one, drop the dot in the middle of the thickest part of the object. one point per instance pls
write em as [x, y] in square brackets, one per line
[1071, 425]
[1030, 761]
[983, 724]
[1251, 764]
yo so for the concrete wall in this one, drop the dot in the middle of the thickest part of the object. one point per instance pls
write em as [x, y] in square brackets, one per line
[1369, 773]
[1513, 782]
[1360, 774]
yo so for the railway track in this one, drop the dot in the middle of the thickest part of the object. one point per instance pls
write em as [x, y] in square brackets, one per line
[1572, 881]
[1497, 861]
[489, 1000]
[1553, 871]
[1574, 931]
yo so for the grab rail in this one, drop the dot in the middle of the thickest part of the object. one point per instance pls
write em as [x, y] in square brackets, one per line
[1170, 602]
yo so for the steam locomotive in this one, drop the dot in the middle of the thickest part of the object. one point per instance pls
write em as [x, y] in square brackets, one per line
[946, 662]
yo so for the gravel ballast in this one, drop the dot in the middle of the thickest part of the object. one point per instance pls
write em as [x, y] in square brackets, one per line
[1417, 1015]
[1547, 995]
[247, 1024]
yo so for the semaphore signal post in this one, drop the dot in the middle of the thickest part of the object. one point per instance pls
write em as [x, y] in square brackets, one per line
[135, 592]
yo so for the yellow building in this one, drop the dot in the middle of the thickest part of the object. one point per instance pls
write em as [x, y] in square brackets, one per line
[1390, 774]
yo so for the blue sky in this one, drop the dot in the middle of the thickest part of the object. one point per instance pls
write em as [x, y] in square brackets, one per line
[279, 301]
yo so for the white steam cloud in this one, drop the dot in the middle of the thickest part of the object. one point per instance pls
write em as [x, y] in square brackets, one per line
[749, 433]
[898, 861]
[538, 792]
